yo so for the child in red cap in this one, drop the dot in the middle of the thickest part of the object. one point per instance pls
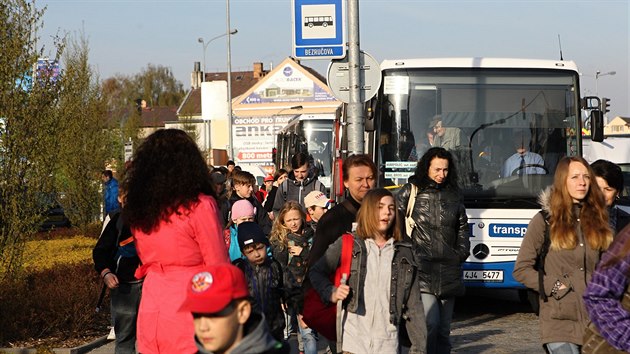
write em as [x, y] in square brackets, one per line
[224, 322]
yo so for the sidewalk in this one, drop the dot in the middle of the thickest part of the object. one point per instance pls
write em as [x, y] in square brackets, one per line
[108, 347]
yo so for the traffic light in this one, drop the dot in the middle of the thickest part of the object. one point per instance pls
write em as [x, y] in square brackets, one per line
[605, 105]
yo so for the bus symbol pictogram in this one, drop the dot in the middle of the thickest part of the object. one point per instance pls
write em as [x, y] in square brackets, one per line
[323, 21]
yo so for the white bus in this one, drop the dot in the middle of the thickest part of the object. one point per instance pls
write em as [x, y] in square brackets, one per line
[314, 135]
[483, 104]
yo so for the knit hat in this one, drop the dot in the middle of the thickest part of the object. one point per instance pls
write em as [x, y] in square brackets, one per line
[250, 233]
[316, 198]
[213, 289]
[242, 208]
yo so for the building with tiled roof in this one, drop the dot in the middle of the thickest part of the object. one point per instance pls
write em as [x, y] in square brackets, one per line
[258, 93]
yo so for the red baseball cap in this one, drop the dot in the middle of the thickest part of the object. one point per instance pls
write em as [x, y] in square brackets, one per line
[268, 178]
[214, 288]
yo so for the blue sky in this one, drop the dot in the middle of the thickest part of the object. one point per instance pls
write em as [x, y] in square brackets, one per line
[124, 36]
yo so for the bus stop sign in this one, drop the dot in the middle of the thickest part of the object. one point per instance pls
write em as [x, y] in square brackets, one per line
[319, 29]
[339, 78]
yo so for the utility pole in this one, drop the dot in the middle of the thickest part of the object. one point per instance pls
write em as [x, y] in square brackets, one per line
[356, 117]
[229, 81]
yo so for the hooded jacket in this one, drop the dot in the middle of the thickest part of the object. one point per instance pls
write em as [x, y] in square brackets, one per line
[292, 189]
[440, 236]
[256, 339]
[563, 316]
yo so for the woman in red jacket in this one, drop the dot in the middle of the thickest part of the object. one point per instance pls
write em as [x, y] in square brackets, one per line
[174, 218]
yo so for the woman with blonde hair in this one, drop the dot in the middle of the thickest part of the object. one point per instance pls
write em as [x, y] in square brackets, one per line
[574, 220]
[380, 295]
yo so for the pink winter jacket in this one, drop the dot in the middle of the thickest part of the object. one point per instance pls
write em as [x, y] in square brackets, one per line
[170, 256]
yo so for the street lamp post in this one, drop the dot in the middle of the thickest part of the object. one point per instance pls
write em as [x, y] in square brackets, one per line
[205, 46]
[203, 77]
[597, 75]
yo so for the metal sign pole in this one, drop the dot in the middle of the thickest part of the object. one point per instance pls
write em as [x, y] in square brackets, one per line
[356, 117]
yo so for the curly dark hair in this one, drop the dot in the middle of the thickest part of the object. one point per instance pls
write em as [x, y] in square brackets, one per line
[168, 172]
[422, 168]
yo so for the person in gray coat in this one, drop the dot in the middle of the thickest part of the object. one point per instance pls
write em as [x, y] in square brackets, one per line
[381, 297]
[440, 237]
[302, 180]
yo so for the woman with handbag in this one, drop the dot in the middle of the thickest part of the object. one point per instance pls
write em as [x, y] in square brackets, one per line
[577, 231]
[380, 296]
[438, 228]
[606, 299]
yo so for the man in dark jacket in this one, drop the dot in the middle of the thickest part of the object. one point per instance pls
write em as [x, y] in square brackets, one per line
[218, 299]
[301, 181]
[440, 235]
[243, 188]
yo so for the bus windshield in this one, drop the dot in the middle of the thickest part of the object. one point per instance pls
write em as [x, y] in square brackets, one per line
[506, 128]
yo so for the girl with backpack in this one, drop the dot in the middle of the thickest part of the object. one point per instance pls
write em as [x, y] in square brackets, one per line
[380, 298]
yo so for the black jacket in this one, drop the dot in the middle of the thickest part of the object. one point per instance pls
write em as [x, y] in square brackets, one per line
[294, 267]
[331, 226]
[266, 288]
[618, 219]
[440, 236]
[106, 253]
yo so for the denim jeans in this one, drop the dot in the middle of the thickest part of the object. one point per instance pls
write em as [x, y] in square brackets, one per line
[309, 340]
[438, 313]
[563, 348]
[125, 303]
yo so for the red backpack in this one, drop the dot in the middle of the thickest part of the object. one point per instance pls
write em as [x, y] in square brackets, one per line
[319, 316]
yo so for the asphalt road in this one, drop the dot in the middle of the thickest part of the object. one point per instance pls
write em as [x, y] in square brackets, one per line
[485, 322]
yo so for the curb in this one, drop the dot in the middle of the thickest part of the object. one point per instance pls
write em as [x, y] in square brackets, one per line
[85, 348]
[82, 349]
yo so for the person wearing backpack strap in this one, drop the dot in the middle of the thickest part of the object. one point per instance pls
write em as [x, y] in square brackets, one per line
[578, 233]
[382, 307]
[301, 181]
[438, 229]
[116, 260]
